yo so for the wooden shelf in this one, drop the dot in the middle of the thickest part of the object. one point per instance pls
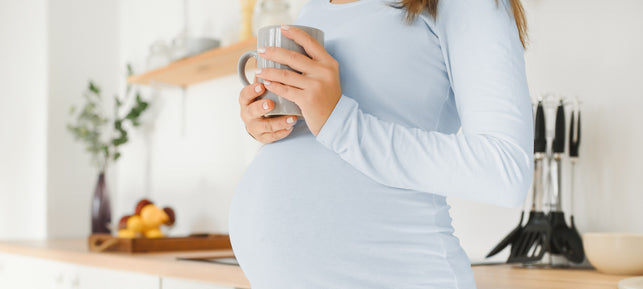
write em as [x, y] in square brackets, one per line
[208, 65]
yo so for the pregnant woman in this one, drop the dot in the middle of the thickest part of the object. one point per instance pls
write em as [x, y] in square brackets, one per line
[353, 195]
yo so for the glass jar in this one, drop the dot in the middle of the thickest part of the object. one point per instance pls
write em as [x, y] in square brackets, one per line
[271, 12]
[159, 55]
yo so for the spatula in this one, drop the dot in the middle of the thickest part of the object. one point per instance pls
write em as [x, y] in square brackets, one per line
[534, 239]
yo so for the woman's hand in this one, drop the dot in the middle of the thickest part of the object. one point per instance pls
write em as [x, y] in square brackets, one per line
[317, 90]
[265, 130]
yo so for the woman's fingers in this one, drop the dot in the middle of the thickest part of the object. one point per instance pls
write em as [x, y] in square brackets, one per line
[293, 59]
[265, 130]
[271, 124]
[275, 136]
[284, 76]
[288, 92]
[250, 92]
[313, 48]
[258, 108]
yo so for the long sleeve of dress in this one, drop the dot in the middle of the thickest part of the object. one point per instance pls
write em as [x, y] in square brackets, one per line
[491, 159]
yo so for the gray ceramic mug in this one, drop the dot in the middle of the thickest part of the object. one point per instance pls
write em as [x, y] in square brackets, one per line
[270, 36]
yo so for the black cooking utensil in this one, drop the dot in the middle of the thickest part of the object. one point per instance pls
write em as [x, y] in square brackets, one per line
[534, 239]
[540, 139]
[565, 240]
[558, 145]
[509, 239]
[574, 137]
[557, 216]
[575, 251]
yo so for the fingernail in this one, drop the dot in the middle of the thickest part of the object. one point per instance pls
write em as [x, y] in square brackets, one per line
[265, 105]
[290, 128]
[258, 71]
[285, 27]
[266, 82]
[290, 120]
[261, 50]
[258, 88]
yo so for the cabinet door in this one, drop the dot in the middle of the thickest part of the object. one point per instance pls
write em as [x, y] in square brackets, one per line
[175, 283]
[98, 278]
[4, 259]
[18, 272]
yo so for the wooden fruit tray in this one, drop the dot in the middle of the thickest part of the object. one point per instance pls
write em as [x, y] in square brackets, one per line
[109, 243]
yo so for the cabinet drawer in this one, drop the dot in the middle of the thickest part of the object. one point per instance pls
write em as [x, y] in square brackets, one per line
[98, 278]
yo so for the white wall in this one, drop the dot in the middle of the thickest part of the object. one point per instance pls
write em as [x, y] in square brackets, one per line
[70, 42]
[598, 55]
[198, 148]
[594, 50]
[23, 114]
[50, 50]
[83, 45]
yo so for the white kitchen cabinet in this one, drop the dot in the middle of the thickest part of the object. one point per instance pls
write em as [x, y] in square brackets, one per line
[98, 278]
[175, 283]
[20, 272]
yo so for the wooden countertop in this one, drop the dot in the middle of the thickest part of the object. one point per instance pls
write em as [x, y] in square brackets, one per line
[509, 277]
[166, 265]
[160, 264]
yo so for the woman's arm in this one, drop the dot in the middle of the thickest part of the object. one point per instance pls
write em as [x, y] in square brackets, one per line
[475, 165]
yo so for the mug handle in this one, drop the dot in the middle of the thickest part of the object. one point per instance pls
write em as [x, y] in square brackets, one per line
[241, 66]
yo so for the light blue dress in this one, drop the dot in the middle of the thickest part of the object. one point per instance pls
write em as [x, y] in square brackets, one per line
[362, 205]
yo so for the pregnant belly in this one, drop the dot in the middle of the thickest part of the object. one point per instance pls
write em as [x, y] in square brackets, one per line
[302, 213]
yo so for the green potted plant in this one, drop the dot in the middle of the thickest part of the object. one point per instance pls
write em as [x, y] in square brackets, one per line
[102, 137]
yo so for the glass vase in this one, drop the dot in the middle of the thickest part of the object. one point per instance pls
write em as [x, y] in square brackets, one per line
[101, 210]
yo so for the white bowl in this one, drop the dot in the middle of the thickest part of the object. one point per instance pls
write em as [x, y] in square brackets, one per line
[631, 283]
[183, 47]
[197, 45]
[615, 253]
